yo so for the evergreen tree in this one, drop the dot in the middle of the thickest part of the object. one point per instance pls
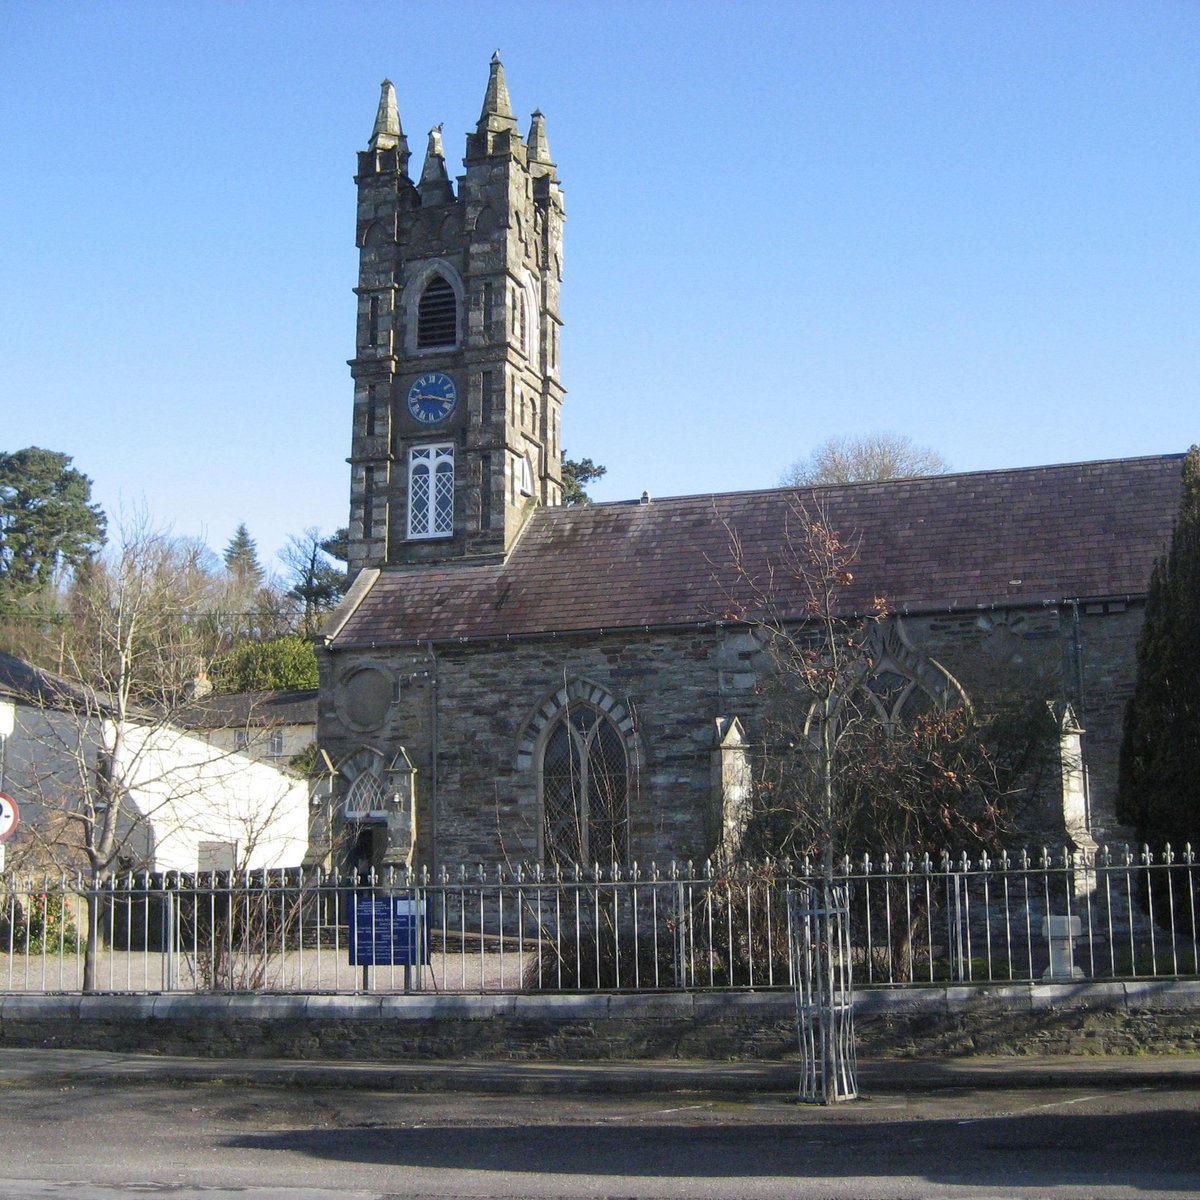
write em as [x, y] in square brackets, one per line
[286, 663]
[1159, 777]
[315, 582]
[48, 524]
[337, 545]
[241, 558]
[576, 475]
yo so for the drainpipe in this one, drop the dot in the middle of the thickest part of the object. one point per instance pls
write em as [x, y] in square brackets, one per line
[433, 756]
[1081, 714]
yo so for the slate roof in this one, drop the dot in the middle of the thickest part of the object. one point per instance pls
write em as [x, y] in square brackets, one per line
[1016, 537]
[28, 684]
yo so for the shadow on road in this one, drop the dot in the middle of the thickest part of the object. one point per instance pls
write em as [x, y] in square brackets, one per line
[1157, 1149]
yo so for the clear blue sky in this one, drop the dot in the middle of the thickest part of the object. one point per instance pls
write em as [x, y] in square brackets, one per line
[977, 224]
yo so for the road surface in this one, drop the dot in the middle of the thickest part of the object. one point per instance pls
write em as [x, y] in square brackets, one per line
[99, 1140]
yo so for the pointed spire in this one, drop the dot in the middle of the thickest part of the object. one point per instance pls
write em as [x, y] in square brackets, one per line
[435, 181]
[434, 169]
[387, 134]
[497, 114]
[539, 144]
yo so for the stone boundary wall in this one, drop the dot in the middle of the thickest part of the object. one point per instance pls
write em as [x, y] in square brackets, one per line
[1092, 1018]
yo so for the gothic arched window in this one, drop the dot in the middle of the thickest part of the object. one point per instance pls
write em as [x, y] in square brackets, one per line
[902, 681]
[585, 789]
[365, 795]
[519, 317]
[437, 314]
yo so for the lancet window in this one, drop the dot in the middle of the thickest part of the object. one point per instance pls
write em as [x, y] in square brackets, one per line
[585, 789]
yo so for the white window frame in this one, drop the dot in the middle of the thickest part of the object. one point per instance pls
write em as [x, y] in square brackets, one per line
[426, 484]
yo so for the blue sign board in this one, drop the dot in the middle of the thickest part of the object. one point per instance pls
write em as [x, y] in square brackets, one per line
[389, 931]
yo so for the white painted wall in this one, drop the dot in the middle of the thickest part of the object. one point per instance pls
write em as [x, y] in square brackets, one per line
[184, 791]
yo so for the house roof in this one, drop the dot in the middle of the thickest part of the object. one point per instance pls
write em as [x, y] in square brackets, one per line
[28, 684]
[1013, 538]
[240, 710]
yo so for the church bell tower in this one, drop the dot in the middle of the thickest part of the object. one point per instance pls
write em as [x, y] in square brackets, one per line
[457, 398]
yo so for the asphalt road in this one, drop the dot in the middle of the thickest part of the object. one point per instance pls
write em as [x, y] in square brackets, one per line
[97, 1139]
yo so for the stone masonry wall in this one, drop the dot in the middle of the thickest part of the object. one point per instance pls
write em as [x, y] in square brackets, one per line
[927, 1022]
[486, 805]
[477, 795]
[1110, 635]
[1043, 652]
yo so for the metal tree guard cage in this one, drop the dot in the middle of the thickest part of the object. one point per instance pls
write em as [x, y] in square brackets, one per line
[820, 946]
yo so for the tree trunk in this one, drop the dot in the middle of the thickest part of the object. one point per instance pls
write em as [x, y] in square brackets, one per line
[91, 952]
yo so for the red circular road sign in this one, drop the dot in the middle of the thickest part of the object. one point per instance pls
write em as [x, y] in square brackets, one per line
[10, 816]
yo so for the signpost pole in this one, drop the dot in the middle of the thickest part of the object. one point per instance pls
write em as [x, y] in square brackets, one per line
[10, 818]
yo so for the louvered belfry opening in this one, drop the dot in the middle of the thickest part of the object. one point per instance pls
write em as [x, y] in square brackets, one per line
[585, 790]
[437, 315]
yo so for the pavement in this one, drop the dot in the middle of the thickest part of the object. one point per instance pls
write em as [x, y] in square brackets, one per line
[876, 1076]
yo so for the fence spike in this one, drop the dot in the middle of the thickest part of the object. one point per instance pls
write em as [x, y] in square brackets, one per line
[705, 887]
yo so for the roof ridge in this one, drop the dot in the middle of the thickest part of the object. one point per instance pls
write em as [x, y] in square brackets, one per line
[865, 483]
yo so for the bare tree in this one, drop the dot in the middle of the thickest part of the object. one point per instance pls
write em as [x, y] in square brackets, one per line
[854, 758]
[107, 761]
[868, 458]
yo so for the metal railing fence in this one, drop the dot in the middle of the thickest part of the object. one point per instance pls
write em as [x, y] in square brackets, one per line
[1115, 914]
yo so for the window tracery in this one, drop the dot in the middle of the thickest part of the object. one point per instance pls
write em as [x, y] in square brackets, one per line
[580, 751]
[901, 682]
[585, 792]
[431, 491]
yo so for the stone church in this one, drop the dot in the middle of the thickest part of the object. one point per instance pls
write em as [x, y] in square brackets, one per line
[514, 680]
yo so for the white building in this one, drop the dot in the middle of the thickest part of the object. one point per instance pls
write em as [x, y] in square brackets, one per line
[190, 803]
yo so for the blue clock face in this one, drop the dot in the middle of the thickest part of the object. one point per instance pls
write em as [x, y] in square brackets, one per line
[432, 397]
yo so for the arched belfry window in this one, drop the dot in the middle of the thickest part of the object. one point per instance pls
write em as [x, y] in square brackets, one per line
[527, 318]
[585, 789]
[437, 314]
